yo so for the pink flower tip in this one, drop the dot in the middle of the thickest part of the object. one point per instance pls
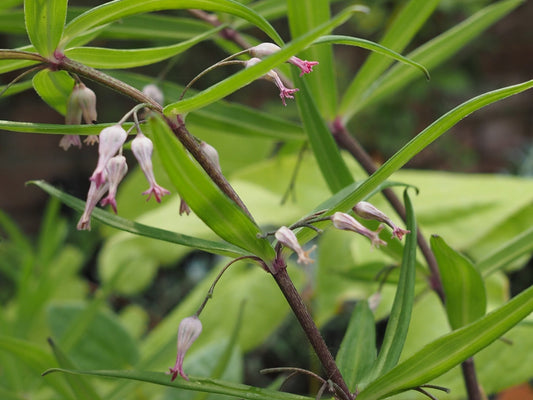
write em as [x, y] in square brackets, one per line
[305, 66]
[98, 178]
[399, 232]
[287, 93]
[110, 200]
[157, 191]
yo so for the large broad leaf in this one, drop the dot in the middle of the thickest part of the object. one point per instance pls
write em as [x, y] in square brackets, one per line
[405, 25]
[244, 77]
[115, 10]
[54, 87]
[466, 300]
[98, 57]
[450, 350]
[207, 201]
[45, 20]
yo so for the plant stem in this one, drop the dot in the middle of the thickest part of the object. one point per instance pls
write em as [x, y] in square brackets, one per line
[349, 143]
[470, 378]
[311, 331]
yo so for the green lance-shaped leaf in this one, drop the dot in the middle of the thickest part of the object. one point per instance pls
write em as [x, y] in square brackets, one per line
[357, 352]
[207, 201]
[79, 385]
[54, 87]
[303, 16]
[98, 57]
[400, 315]
[466, 299]
[431, 54]
[333, 168]
[407, 22]
[244, 77]
[450, 350]
[375, 47]
[115, 10]
[45, 20]
[143, 230]
[53, 129]
[207, 385]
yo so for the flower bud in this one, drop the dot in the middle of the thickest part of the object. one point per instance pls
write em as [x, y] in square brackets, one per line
[87, 102]
[188, 331]
[116, 170]
[287, 238]
[212, 154]
[346, 222]
[142, 149]
[368, 211]
[273, 76]
[154, 93]
[111, 140]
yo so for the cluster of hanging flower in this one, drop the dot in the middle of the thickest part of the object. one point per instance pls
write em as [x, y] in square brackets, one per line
[346, 222]
[266, 49]
[111, 168]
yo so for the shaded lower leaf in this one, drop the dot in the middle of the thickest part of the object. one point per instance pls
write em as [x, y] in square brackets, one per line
[54, 87]
[197, 384]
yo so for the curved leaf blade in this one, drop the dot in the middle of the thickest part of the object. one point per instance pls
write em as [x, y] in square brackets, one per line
[450, 350]
[136, 228]
[54, 87]
[195, 384]
[118, 9]
[99, 57]
[207, 201]
[45, 20]
[466, 299]
[53, 129]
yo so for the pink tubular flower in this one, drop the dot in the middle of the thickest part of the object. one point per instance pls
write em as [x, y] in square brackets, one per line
[346, 222]
[111, 140]
[116, 169]
[87, 102]
[70, 140]
[287, 238]
[368, 211]
[266, 49]
[188, 331]
[93, 197]
[273, 76]
[142, 149]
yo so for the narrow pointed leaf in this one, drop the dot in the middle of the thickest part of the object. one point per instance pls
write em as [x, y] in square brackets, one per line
[81, 388]
[375, 47]
[431, 54]
[115, 10]
[244, 77]
[357, 352]
[466, 299]
[45, 20]
[207, 201]
[98, 57]
[333, 168]
[54, 87]
[236, 390]
[403, 28]
[53, 129]
[450, 350]
[400, 315]
[143, 230]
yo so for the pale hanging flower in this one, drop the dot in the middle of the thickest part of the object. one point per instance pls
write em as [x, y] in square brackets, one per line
[346, 222]
[111, 140]
[70, 140]
[142, 149]
[266, 49]
[368, 211]
[287, 238]
[93, 197]
[273, 76]
[81, 102]
[188, 331]
[154, 93]
[87, 101]
[91, 140]
[116, 170]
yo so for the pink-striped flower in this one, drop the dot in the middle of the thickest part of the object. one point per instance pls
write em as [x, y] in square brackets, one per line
[286, 237]
[368, 211]
[111, 140]
[188, 331]
[346, 222]
[266, 49]
[116, 170]
[273, 76]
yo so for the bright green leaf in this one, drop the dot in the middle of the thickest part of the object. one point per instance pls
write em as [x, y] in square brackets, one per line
[54, 87]
[45, 20]
[53, 129]
[466, 300]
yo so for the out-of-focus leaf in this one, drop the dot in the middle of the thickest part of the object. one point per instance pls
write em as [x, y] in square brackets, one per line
[207, 201]
[10, 3]
[405, 25]
[244, 77]
[98, 57]
[450, 350]
[196, 384]
[466, 300]
[357, 352]
[45, 20]
[54, 87]
[140, 229]
[116, 10]
[16, 88]
[54, 129]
